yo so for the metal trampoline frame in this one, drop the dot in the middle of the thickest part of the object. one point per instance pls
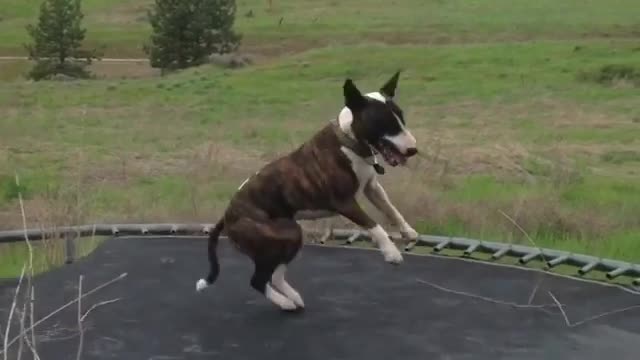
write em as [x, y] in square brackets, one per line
[551, 258]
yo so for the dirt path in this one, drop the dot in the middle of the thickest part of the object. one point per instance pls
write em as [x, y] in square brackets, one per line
[116, 60]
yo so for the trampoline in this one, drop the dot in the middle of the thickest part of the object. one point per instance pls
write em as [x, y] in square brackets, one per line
[357, 307]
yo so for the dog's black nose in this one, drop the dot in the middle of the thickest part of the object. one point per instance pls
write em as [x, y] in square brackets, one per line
[411, 152]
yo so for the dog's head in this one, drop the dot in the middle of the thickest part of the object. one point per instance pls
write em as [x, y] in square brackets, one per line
[375, 119]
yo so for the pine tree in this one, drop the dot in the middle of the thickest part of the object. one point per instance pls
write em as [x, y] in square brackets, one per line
[186, 32]
[58, 38]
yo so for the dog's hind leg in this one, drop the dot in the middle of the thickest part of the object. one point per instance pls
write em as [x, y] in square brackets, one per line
[278, 280]
[261, 282]
[272, 245]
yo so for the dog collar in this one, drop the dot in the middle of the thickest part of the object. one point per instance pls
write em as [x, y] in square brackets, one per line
[359, 148]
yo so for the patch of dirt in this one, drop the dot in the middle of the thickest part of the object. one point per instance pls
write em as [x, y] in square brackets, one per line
[122, 70]
[125, 13]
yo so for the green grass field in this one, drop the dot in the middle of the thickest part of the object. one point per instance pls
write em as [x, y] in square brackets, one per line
[121, 26]
[510, 102]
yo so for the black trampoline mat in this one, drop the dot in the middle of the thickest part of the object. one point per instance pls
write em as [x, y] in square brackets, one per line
[357, 307]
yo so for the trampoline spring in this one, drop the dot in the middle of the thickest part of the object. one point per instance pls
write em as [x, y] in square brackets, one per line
[471, 249]
[587, 268]
[410, 245]
[527, 258]
[557, 261]
[441, 245]
[617, 272]
[353, 238]
[500, 253]
[70, 247]
[326, 236]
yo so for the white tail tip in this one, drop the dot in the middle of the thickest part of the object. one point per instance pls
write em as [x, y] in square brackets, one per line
[201, 285]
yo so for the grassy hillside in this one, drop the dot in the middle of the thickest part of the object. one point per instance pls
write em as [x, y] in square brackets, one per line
[121, 25]
[536, 129]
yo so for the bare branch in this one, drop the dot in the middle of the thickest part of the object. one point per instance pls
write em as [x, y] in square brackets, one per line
[33, 343]
[564, 314]
[98, 288]
[11, 312]
[24, 224]
[32, 348]
[80, 327]
[30, 297]
[541, 276]
[605, 314]
[495, 301]
[608, 313]
[23, 315]
[102, 303]
[535, 290]
[525, 233]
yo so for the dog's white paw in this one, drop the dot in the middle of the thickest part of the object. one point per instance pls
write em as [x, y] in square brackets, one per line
[277, 298]
[409, 233]
[296, 298]
[392, 255]
[201, 285]
[288, 305]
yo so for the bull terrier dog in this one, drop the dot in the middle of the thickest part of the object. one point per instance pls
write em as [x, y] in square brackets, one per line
[321, 178]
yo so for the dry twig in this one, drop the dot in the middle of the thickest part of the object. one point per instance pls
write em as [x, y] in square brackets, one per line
[94, 306]
[608, 313]
[484, 298]
[31, 317]
[564, 314]
[11, 312]
[32, 348]
[97, 288]
[535, 290]
[541, 275]
[524, 233]
[23, 315]
[80, 328]
[558, 304]
[595, 317]
[30, 295]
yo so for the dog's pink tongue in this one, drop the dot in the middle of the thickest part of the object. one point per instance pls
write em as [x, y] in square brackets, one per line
[390, 157]
[398, 158]
[401, 159]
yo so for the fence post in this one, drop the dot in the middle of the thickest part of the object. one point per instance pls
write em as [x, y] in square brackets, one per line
[70, 247]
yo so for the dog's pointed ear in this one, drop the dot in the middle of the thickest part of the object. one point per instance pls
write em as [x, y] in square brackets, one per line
[352, 96]
[389, 88]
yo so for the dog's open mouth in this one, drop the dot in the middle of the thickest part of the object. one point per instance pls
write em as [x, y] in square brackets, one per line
[390, 153]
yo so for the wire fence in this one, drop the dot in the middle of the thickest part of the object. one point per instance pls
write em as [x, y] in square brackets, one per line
[525, 254]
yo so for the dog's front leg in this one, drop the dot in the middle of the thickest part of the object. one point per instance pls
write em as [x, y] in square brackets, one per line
[352, 211]
[379, 198]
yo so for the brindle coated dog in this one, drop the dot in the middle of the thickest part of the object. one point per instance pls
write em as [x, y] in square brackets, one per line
[320, 178]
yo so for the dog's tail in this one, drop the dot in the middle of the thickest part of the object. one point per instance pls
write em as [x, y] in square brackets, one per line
[214, 269]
